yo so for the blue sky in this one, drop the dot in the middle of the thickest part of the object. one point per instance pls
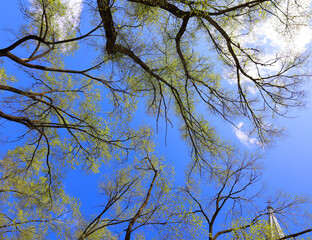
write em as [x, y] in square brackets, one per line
[288, 164]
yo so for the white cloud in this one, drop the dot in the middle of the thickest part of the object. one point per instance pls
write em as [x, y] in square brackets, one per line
[285, 36]
[65, 23]
[280, 40]
[243, 136]
[275, 39]
[74, 10]
[252, 89]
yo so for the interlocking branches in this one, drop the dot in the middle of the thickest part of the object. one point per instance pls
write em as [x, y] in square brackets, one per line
[276, 92]
[229, 192]
[154, 50]
[233, 182]
[132, 203]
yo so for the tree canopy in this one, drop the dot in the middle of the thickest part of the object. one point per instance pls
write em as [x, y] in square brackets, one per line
[177, 58]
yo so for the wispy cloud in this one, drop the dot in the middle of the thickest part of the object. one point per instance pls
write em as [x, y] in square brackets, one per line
[292, 36]
[244, 137]
[74, 10]
[279, 37]
[66, 22]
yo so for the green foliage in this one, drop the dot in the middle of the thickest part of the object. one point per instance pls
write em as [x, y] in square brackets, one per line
[150, 51]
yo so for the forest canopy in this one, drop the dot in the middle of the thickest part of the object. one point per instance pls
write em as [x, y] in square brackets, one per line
[78, 80]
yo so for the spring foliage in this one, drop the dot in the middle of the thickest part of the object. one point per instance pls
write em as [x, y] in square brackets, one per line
[177, 57]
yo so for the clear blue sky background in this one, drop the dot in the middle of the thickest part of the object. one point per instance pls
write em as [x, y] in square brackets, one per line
[288, 164]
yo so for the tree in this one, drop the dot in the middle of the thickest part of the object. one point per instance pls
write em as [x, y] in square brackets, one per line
[146, 50]
[230, 192]
[137, 196]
